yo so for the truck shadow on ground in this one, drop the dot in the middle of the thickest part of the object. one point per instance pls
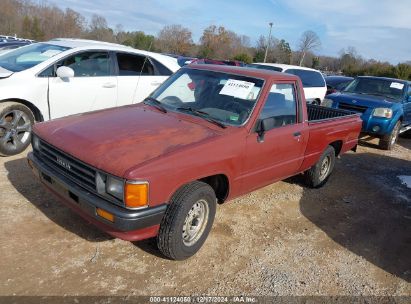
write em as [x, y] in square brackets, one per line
[24, 181]
[365, 208]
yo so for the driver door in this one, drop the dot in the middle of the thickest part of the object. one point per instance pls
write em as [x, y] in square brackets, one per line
[93, 86]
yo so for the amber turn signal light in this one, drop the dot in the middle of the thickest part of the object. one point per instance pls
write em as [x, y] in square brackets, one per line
[105, 214]
[136, 195]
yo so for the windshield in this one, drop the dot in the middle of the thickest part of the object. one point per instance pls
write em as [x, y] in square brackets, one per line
[28, 56]
[379, 87]
[226, 98]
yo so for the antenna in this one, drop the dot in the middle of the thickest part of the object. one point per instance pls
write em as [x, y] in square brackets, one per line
[141, 71]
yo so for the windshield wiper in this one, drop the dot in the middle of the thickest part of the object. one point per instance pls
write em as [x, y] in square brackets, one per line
[382, 95]
[203, 115]
[155, 103]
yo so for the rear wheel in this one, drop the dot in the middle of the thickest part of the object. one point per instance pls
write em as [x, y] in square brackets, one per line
[388, 141]
[318, 174]
[187, 221]
[16, 122]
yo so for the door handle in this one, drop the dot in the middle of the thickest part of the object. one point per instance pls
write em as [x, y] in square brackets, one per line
[155, 83]
[109, 85]
[297, 136]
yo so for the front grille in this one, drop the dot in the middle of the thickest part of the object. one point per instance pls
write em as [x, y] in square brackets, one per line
[70, 167]
[351, 107]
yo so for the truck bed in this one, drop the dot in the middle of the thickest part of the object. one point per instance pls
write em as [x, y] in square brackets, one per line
[318, 113]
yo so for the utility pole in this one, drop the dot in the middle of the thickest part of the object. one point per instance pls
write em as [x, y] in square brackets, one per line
[268, 42]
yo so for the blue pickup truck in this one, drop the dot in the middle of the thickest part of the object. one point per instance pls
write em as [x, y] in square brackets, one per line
[384, 105]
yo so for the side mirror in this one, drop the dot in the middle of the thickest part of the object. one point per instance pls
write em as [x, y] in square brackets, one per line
[265, 125]
[65, 72]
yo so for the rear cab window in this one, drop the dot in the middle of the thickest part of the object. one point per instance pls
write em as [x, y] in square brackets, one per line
[310, 79]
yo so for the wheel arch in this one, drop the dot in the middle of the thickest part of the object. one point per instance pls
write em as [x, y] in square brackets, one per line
[220, 185]
[337, 145]
[38, 116]
[218, 182]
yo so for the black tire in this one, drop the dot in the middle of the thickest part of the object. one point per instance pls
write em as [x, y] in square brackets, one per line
[388, 141]
[173, 240]
[318, 174]
[16, 121]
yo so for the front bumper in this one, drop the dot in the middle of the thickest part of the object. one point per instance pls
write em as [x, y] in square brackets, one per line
[128, 224]
[376, 126]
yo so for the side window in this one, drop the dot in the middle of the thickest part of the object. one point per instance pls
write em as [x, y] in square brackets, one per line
[161, 69]
[88, 64]
[49, 72]
[133, 65]
[281, 105]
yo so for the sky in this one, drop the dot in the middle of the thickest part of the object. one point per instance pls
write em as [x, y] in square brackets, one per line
[378, 29]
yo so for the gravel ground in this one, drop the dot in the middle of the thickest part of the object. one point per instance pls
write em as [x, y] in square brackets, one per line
[351, 237]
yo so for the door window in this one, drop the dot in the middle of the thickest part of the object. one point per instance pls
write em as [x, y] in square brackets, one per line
[281, 105]
[133, 65]
[88, 64]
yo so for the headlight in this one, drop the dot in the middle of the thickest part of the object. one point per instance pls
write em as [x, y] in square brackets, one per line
[35, 142]
[327, 103]
[382, 112]
[115, 187]
[136, 194]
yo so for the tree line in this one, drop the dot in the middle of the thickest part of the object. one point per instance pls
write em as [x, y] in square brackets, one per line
[44, 21]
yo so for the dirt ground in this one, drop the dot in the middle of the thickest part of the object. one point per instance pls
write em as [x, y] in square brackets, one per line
[351, 237]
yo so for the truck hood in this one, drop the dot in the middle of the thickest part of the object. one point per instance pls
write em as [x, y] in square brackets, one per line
[5, 73]
[116, 140]
[369, 101]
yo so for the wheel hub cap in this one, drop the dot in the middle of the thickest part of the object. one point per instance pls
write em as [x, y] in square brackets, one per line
[15, 128]
[195, 222]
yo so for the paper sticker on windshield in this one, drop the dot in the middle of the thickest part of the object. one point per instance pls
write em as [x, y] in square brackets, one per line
[237, 88]
[397, 85]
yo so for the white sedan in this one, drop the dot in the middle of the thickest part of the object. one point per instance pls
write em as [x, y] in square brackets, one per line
[61, 77]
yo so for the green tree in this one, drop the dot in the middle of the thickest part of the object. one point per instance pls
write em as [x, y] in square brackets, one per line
[243, 57]
[315, 62]
[402, 71]
[140, 40]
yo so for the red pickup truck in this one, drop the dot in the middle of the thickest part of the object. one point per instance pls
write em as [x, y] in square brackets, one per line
[206, 135]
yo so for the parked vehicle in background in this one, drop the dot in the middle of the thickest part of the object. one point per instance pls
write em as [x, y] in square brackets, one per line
[234, 63]
[206, 135]
[336, 83]
[313, 80]
[7, 46]
[61, 77]
[182, 61]
[384, 105]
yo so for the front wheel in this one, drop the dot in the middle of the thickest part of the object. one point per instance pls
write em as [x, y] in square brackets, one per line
[388, 141]
[187, 221]
[318, 174]
[16, 121]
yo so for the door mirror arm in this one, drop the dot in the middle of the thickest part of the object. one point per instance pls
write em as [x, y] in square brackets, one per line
[263, 126]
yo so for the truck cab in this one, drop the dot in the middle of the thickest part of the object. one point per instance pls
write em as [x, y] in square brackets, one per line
[384, 105]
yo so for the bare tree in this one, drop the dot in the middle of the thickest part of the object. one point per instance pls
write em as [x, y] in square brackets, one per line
[309, 42]
[175, 39]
